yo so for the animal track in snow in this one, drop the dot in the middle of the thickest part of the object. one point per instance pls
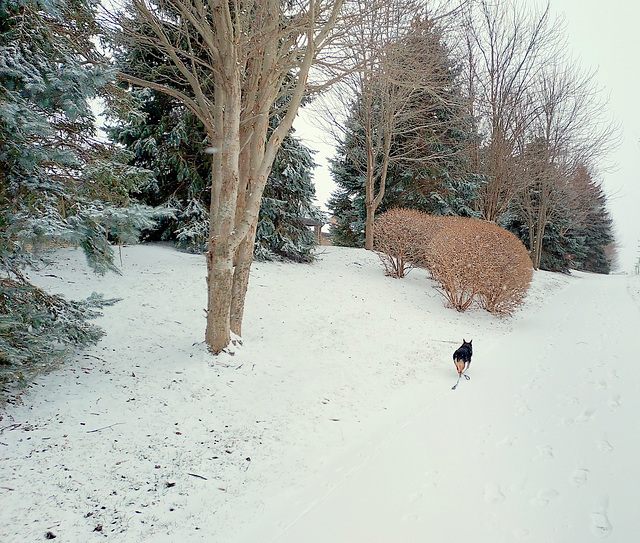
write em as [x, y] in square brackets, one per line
[493, 494]
[506, 442]
[579, 476]
[600, 524]
[605, 446]
[543, 497]
[545, 452]
[614, 401]
[415, 497]
[585, 416]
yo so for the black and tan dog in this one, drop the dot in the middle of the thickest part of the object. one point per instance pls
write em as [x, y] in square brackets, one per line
[462, 358]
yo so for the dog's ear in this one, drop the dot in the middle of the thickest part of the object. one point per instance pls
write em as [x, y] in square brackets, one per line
[470, 341]
[463, 340]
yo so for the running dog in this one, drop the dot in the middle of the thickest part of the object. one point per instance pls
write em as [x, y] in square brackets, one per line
[462, 356]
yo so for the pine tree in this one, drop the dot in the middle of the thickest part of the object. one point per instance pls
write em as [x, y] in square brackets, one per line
[430, 169]
[58, 185]
[165, 137]
[580, 230]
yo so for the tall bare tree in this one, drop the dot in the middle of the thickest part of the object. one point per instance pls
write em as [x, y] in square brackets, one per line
[243, 68]
[568, 131]
[393, 100]
[507, 48]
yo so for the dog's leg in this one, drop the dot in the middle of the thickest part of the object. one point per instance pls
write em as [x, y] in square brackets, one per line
[454, 386]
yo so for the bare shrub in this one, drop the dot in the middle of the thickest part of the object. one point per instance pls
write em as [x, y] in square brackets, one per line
[449, 264]
[478, 262]
[397, 240]
[508, 271]
[473, 261]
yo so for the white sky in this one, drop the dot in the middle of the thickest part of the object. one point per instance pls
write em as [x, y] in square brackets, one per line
[603, 36]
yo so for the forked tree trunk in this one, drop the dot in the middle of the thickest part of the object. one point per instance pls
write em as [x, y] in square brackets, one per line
[228, 63]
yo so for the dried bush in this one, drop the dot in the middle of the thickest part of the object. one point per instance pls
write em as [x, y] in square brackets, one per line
[477, 261]
[396, 239]
[474, 261]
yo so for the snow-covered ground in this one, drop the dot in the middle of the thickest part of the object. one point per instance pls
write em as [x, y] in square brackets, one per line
[335, 420]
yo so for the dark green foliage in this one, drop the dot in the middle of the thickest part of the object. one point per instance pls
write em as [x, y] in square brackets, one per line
[580, 231]
[286, 202]
[429, 168]
[165, 137]
[58, 183]
[38, 330]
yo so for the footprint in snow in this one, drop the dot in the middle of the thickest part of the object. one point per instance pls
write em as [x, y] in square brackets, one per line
[580, 476]
[415, 497]
[493, 494]
[600, 524]
[545, 452]
[506, 442]
[605, 446]
[586, 415]
[543, 497]
[614, 402]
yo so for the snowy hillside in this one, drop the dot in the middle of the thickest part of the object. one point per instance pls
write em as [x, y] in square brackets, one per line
[335, 420]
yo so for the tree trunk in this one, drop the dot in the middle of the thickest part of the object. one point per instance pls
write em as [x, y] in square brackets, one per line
[368, 227]
[219, 282]
[242, 269]
[224, 189]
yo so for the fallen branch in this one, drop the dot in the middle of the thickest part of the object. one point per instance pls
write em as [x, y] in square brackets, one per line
[104, 427]
[92, 356]
[198, 476]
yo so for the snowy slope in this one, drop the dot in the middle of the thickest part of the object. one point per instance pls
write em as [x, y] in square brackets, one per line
[335, 420]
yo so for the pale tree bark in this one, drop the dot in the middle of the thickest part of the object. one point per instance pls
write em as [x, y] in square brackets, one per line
[242, 67]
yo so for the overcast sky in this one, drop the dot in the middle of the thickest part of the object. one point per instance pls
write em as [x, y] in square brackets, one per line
[602, 35]
[605, 35]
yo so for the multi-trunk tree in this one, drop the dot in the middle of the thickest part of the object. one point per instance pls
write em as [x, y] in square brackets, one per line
[165, 137]
[231, 64]
[506, 46]
[567, 130]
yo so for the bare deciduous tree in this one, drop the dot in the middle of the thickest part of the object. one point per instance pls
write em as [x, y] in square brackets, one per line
[243, 68]
[393, 100]
[507, 47]
[568, 130]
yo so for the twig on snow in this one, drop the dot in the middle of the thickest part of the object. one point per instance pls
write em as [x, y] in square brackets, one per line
[104, 427]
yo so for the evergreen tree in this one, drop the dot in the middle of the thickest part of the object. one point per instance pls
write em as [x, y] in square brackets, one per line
[166, 138]
[57, 183]
[430, 171]
[581, 230]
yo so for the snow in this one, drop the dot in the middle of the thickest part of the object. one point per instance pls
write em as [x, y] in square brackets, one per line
[334, 420]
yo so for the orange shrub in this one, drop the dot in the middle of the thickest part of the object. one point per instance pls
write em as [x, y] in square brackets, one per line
[477, 261]
[396, 237]
[474, 261]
